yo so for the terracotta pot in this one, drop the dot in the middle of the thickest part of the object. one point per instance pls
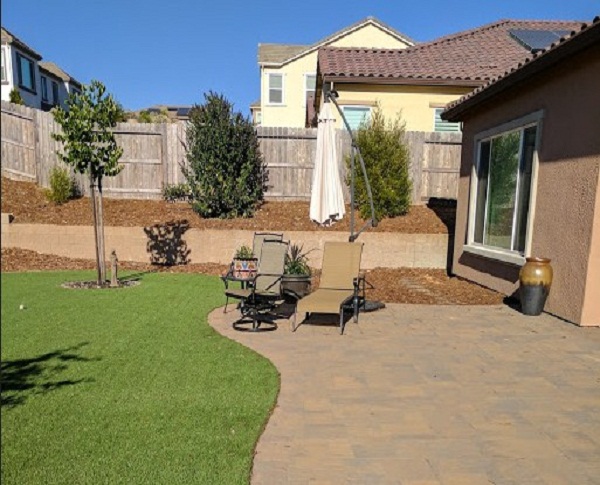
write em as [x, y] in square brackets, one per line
[535, 279]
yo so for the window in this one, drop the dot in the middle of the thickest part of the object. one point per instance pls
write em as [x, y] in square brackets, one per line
[55, 92]
[501, 189]
[310, 82]
[44, 83]
[258, 117]
[355, 115]
[440, 125]
[26, 73]
[275, 88]
[3, 59]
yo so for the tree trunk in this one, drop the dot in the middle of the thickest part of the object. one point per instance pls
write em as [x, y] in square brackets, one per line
[95, 215]
[100, 223]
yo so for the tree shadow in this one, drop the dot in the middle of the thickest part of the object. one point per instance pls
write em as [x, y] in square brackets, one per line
[445, 209]
[166, 245]
[23, 378]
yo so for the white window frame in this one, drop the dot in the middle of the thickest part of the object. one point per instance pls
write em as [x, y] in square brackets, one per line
[4, 66]
[361, 106]
[505, 255]
[452, 124]
[269, 102]
[306, 90]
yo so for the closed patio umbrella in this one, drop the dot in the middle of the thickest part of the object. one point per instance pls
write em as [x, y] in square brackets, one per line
[327, 196]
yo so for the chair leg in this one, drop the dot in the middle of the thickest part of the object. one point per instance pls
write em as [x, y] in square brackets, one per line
[293, 322]
[226, 303]
[342, 321]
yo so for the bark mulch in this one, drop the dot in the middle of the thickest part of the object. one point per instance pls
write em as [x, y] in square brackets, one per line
[27, 202]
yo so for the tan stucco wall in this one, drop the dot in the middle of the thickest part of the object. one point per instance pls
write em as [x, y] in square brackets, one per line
[569, 164]
[416, 103]
[590, 314]
[293, 112]
[388, 250]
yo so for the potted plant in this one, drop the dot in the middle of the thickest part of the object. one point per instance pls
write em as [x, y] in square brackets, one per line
[245, 265]
[297, 273]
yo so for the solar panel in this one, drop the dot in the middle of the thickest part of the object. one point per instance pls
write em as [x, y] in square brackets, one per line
[535, 40]
[183, 111]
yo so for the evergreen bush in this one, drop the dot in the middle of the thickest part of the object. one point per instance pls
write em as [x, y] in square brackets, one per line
[62, 186]
[15, 97]
[225, 172]
[386, 157]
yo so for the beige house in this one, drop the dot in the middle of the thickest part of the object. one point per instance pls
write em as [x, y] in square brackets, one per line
[421, 80]
[530, 175]
[288, 72]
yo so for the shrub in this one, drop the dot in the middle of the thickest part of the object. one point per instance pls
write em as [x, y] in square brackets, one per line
[174, 192]
[225, 168]
[15, 97]
[386, 159]
[62, 186]
[244, 252]
[296, 260]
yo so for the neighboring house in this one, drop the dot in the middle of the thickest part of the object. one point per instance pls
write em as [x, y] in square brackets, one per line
[56, 85]
[163, 112]
[421, 80]
[288, 72]
[20, 69]
[530, 175]
[42, 84]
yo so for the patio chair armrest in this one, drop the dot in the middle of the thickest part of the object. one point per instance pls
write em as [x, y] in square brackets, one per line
[271, 275]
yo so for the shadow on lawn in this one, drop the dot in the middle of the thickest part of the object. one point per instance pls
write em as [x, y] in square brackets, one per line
[23, 378]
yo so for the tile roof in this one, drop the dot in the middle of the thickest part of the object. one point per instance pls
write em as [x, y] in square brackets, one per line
[280, 53]
[586, 35]
[8, 38]
[58, 72]
[470, 57]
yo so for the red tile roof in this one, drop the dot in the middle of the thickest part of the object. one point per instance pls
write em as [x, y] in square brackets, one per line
[586, 35]
[470, 57]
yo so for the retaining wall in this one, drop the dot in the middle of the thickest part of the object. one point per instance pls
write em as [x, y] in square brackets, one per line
[178, 244]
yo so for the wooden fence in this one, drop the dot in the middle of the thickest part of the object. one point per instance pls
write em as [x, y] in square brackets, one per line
[153, 155]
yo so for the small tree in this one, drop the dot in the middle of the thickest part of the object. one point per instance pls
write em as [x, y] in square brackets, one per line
[226, 173]
[15, 96]
[89, 146]
[387, 160]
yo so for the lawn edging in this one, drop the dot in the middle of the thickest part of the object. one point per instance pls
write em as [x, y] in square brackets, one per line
[166, 242]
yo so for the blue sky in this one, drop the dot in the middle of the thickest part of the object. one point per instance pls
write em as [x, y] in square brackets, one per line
[171, 52]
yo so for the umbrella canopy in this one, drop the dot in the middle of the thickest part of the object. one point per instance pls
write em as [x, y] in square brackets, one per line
[327, 196]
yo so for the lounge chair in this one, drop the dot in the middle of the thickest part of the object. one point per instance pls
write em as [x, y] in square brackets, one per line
[260, 297]
[341, 286]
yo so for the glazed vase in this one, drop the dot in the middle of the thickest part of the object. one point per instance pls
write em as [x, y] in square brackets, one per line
[535, 279]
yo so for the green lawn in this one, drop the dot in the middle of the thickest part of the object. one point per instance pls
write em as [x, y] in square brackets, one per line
[126, 386]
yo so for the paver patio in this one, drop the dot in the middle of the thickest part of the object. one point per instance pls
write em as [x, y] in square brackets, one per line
[419, 394]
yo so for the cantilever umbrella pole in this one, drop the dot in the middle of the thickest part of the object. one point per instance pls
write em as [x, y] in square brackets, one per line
[331, 95]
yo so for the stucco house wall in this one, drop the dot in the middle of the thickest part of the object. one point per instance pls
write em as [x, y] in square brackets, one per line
[416, 104]
[292, 113]
[31, 99]
[565, 218]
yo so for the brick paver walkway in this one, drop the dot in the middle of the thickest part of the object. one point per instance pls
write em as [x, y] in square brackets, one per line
[431, 395]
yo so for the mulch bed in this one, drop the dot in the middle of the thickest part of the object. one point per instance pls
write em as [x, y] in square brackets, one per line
[402, 285]
[29, 205]
[27, 202]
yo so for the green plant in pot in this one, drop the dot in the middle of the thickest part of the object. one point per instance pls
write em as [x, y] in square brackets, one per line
[297, 273]
[245, 265]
